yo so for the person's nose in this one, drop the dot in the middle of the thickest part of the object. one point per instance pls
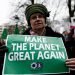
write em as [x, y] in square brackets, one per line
[37, 17]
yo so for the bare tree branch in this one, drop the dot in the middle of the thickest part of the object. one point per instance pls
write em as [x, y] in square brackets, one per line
[56, 10]
[32, 1]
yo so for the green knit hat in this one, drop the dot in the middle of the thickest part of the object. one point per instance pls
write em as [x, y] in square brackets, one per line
[35, 8]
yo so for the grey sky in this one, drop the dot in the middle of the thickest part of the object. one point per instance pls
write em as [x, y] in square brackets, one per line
[59, 6]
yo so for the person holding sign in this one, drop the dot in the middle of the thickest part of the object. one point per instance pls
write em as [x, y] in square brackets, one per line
[36, 16]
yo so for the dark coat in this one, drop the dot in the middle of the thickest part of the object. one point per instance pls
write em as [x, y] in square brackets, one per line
[49, 32]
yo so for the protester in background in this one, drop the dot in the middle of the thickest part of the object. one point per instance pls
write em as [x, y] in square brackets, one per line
[36, 16]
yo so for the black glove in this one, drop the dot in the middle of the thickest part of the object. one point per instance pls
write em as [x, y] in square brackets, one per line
[3, 48]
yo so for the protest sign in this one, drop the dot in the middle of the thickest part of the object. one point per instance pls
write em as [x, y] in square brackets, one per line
[29, 54]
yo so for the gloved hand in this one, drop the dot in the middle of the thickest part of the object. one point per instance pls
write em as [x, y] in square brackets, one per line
[3, 48]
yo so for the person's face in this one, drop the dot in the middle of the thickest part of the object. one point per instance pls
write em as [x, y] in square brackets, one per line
[37, 21]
